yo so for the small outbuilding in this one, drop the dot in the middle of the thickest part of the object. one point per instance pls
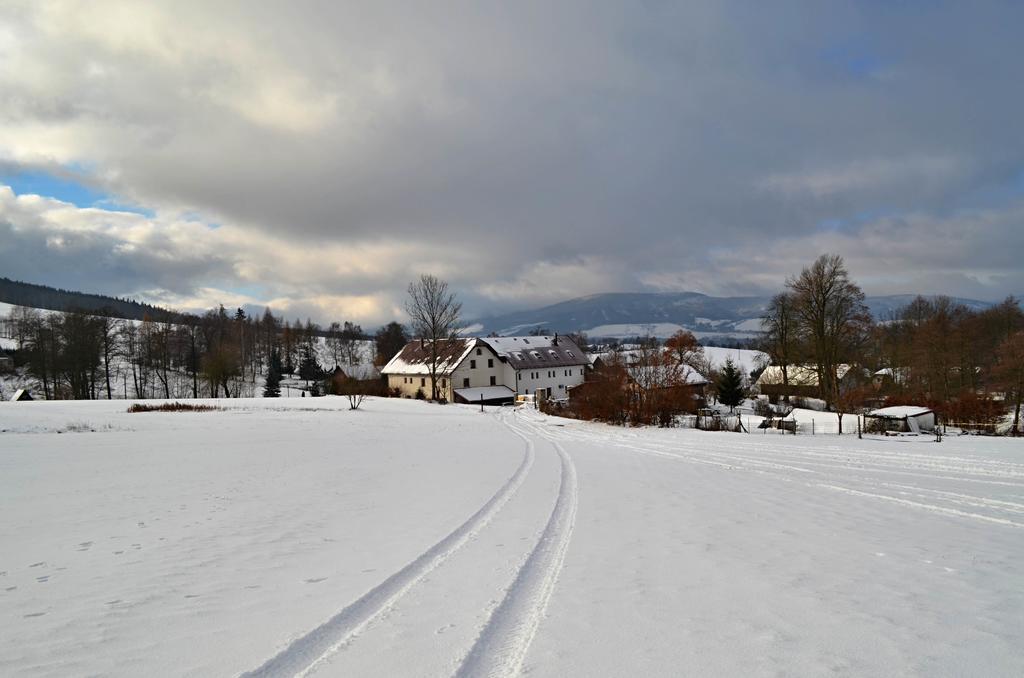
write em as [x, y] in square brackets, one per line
[900, 419]
[488, 395]
[21, 395]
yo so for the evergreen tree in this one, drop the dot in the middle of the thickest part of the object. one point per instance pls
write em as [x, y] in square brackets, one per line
[310, 370]
[730, 385]
[273, 386]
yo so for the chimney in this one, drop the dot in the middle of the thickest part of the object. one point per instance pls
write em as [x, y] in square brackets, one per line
[423, 343]
[555, 340]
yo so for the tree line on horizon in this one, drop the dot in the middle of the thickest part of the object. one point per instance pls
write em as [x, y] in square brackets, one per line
[78, 355]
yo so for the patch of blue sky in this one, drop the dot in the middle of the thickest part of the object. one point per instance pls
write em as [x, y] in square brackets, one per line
[66, 189]
[855, 57]
[199, 218]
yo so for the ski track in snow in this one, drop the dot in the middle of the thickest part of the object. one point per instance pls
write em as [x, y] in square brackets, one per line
[306, 652]
[805, 465]
[501, 647]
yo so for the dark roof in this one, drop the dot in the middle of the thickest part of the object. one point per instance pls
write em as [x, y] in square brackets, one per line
[537, 352]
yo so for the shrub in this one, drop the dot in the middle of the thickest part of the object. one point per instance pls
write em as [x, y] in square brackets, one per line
[171, 407]
[763, 408]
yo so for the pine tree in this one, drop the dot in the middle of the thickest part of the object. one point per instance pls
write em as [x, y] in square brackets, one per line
[310, 370]
[273, 385]
[730, 385]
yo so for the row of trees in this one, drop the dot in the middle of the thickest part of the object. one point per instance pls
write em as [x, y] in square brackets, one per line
[84, 356]
[933, 351]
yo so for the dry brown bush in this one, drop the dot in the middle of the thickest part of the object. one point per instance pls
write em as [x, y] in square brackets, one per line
[171, 407]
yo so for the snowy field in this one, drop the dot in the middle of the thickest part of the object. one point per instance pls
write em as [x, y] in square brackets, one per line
[295, 537]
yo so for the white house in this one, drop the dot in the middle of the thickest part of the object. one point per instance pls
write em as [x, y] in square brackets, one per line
[495, 369]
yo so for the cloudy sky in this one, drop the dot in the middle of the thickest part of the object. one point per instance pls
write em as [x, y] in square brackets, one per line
[319, 155]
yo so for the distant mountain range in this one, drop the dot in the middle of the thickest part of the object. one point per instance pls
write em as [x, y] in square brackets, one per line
[611, 315]
[618, 315]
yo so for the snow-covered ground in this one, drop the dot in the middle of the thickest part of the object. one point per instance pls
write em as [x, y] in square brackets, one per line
[406, 539]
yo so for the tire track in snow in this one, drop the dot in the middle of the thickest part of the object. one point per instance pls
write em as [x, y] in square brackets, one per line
[656, 449]
[501, 646]
[305, 653]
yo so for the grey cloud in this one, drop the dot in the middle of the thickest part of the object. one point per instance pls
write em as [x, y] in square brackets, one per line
[645, 137]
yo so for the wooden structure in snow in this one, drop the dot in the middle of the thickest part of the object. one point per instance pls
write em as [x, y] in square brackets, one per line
[900, 419]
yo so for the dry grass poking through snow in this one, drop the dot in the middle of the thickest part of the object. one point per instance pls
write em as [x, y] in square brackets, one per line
[171, 407]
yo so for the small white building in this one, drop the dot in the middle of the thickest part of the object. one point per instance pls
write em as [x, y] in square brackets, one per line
[900, 419]
[495, 368]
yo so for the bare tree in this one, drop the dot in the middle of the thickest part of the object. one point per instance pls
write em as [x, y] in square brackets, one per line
[434, 312]
[1009, 374]
[832, 317]
[780, 335]
[109, 329]
[687, 351]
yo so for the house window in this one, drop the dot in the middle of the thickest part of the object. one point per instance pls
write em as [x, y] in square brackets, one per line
[442, 383]
[493, 380]
[465, 383]
[478, 352]
[423, 381]
[490, 362]
[472, 364]
[518, 376]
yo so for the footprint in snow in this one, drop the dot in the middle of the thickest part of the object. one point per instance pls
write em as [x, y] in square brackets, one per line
[42, 580]
[444, 628]
[40, 563]
[85, 546]
[34, 614]
[316, 581]
[10, 588]
[192, 595]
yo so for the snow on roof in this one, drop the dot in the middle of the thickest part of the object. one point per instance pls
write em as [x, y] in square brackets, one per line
[414, 358]
[900, 411]
[473, 395]
[540, 351]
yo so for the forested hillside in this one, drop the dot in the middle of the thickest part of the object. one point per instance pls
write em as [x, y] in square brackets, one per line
[53, 299]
